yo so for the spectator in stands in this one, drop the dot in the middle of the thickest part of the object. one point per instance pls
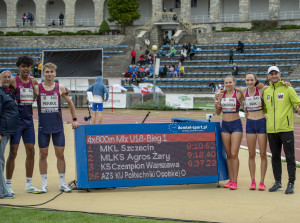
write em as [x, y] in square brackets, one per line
[151, 58]
[235, 70]
[28, 17]
[142, 60]
[141, 71]
[273, 64]
[181, 70]
[35, 68]
[170, 71]
[183, 51]
[163, 71]
[213, 86]
[31, 19]
[172, 53]
[193, 51]
[24, 17]
[240, 47]
[61, 19]
[40, 68]
[182, 58]
[135, 70]
[147, 71]
[127, 77]
[231, 55]
[133, 56]
[151, 71]
[176, 71]
[129, 69]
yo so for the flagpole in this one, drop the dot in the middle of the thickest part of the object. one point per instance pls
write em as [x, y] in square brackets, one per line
[156, 69]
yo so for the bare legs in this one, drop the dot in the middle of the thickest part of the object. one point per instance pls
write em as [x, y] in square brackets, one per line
[232, 144]
[262, 142]
[94, 115]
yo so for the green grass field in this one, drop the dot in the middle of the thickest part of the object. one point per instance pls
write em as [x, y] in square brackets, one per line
[12, 215]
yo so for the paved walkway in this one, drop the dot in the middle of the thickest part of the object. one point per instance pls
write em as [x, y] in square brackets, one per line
[200, 202]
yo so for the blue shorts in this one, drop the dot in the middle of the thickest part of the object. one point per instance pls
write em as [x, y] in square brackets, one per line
[24, 130]
[98, 106]
[256, 126]
[58, 139]
[231, 127]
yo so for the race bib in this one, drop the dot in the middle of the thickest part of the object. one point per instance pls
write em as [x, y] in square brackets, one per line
[228, 104]
[26, 96]
[49, 104]
[253, 103]
[97, 99]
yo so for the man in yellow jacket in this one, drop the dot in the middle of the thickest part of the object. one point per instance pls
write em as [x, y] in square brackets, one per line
[279, 101]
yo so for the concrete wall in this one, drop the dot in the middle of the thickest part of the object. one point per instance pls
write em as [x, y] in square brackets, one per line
[249, 37]
[62, 41]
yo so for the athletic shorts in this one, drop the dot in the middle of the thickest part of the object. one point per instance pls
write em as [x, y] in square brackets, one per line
[24, 130]
[98, 106]
[231, 127]
[58, 139]
[256, 126]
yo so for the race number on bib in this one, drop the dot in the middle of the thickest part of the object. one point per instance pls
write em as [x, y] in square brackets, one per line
[253, 103]
[228, 104]
[49, 103]
[26, 95]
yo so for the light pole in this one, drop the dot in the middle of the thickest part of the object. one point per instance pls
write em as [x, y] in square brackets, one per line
[156, 64]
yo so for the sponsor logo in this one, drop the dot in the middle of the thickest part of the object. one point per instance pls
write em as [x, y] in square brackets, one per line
[280, 96]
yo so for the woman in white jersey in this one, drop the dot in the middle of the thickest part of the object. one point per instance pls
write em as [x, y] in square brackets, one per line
[232, 130]
[255, 128]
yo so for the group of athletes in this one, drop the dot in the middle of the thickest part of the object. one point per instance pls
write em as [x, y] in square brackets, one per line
[16, 98]
[277, 101]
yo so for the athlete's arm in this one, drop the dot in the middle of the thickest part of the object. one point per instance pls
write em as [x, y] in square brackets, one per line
[71, 106]
[218, 107]
[36, 91]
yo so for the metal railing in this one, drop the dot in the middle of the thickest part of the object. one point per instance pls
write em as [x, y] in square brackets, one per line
[84, 22]
[26, 23]
[55, 22]
[200, 19]
[230, 18]
[289, 15]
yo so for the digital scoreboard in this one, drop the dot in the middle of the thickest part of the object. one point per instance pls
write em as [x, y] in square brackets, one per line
[149, 154]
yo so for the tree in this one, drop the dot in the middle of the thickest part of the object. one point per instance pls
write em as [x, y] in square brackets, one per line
[123, 12]
[104, 27]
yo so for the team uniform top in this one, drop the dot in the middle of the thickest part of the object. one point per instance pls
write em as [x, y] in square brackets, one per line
[49, 110]
[25, 98]
[255, 102]
[230, 105]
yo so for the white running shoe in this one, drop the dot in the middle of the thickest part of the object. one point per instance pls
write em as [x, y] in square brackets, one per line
[44, 189]
[32, 189]
[10, 190]
[65, 188]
